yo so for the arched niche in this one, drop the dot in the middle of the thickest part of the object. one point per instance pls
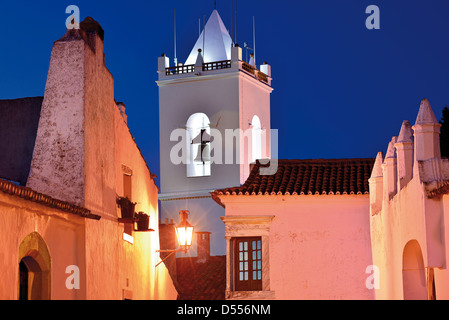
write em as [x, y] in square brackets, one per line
[34, 267]
[413, 272]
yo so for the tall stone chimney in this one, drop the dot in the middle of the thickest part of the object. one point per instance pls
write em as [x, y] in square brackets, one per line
[376, 185]
[390, 171]
[74, 155]
[203, 246]
[427, 133]
[404, 152]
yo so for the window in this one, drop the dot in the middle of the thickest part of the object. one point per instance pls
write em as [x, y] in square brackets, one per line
[127, 192]
[127, 186]
[248, 264]
[198, 137]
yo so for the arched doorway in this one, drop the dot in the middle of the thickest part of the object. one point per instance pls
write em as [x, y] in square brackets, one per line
[34, 269]
[413, 272]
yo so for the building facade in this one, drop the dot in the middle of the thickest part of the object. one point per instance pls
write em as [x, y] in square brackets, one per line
[346, 228]
[70, 170]
[302, 233]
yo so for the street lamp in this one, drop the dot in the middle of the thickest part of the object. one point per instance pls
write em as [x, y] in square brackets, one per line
[184, 235]
[184, 231]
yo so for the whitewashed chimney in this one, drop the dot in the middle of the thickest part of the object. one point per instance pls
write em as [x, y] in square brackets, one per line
[426, 133]
[376, 185]
[77, 119]
[404, 153]
[390, 171]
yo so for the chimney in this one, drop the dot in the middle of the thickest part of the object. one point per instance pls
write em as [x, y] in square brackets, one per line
[427, 133]
[404, 152]
[67, 153]
[376, 185]
[390, 171]
[95, 34]
[203, 246]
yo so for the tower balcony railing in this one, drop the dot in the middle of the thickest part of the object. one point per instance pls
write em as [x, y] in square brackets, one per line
[179, 69]
[248, 68]
[218, 65]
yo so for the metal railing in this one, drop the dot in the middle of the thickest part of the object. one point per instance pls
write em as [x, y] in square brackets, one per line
[179, 69]
[248, 68]
[262, 76]
[217, 65]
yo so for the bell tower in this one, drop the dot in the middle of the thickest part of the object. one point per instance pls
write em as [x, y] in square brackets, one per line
[214, 119]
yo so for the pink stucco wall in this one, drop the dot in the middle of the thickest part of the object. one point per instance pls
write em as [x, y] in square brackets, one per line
[62, 232]
[319, 245]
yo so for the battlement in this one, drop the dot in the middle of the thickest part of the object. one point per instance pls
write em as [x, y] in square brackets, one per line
[412, 155]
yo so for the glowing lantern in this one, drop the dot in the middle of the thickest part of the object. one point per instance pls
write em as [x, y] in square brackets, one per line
[184, 231]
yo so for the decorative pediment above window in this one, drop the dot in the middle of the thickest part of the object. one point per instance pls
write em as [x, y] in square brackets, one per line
[247, 226]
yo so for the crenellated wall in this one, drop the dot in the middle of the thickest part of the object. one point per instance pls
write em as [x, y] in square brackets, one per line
[407, 209]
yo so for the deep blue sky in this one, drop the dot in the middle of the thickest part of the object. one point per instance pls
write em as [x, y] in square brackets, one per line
[340, 90]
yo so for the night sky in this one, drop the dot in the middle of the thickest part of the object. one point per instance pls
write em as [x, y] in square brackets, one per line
[340, 90]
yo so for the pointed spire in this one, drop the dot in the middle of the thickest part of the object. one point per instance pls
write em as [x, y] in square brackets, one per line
[214, 41]
[391, 151]
[377, 168]
[404, 152]
[426, 133]
[425, 114]
[406, 133]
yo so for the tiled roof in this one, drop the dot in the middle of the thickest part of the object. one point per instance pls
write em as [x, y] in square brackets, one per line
[307, 177]
[201, 280]
[31, 195]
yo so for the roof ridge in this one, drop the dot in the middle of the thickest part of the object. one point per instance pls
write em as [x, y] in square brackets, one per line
[307, 177]
[46, 200]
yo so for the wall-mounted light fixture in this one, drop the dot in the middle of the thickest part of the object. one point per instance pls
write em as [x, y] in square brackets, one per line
[184, 235]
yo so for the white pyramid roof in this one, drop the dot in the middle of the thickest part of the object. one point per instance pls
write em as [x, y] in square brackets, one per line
[216, 39]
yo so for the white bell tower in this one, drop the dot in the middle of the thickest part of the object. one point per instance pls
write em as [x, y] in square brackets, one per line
[214, 114]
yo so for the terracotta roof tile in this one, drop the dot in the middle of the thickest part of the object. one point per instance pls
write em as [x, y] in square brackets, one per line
[201, 280]
[307, 177]
[31, 195]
